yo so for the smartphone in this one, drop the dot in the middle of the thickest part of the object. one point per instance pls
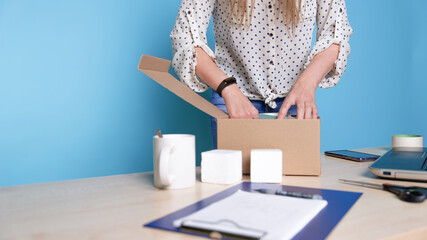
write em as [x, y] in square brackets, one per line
[352, 155]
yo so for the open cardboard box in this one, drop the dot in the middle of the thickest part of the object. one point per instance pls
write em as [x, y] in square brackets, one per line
[299, 140]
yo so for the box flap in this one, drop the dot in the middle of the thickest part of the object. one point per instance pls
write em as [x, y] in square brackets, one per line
[157, 69]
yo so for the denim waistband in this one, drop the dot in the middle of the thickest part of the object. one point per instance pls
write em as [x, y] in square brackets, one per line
[216, 99]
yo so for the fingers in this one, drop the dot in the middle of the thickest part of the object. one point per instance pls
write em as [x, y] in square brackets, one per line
[300, 111]
[244, 112]
[245, 115]
[289, 101]
[238, 105]
[314, 112]
[254, 114]
[308, 111]
[244, 109]
[283, 110]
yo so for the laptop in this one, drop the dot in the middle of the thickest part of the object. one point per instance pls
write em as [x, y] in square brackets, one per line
[402, 163]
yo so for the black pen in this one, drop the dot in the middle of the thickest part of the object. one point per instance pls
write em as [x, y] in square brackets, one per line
[288, 193]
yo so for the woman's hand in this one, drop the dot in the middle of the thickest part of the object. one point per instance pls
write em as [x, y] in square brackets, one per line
[303, 92]
[238, 105]
[302, 95]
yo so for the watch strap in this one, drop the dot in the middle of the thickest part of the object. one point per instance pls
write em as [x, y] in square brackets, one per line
[225, 83]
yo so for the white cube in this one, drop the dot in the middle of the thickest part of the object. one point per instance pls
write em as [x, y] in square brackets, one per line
[266, 165]
[221, 166]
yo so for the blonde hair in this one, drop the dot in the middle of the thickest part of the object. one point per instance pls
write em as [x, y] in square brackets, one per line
[242, 12]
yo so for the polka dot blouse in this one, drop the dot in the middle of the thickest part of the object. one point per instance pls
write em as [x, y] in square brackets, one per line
[263, 57]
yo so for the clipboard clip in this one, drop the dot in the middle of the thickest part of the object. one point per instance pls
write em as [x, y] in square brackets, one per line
[222, 229]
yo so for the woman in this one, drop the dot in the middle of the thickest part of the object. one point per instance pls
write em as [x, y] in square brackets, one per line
[265, 45]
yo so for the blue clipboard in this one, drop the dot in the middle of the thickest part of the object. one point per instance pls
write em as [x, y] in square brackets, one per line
[339, 202]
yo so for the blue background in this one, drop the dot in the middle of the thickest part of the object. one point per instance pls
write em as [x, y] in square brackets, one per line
[74, 105]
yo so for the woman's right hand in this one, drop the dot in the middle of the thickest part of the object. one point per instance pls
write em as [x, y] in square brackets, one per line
[238, 105]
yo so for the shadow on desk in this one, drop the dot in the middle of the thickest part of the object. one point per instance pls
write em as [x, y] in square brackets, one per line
[147, 177]
[368, 174]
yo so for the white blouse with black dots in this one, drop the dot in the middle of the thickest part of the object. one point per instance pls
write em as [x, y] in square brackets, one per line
[263, 57]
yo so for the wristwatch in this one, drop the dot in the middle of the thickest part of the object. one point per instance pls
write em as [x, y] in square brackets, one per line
[225, 83]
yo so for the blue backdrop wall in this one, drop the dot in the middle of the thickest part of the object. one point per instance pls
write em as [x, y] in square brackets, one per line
[73, 104]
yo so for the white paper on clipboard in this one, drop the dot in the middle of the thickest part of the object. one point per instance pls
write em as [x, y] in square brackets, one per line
[257, 215]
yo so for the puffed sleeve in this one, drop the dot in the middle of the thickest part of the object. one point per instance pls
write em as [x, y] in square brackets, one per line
[190, 32]
[332, 27]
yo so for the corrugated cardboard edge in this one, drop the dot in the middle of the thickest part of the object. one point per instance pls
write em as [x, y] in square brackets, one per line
[157, 69]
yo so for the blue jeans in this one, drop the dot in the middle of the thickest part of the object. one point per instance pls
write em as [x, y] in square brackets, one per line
[258, 104]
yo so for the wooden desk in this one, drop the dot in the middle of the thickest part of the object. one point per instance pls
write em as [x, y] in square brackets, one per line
[115, 207]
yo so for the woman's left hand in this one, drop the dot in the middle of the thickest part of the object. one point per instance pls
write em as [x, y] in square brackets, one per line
[302, 94]
[303, 91]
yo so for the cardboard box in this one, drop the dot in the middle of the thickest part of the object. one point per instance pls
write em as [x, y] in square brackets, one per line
[299, 140]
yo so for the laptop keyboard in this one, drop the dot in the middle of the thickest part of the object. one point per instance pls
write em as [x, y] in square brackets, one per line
[410, 157]
[407, 154]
